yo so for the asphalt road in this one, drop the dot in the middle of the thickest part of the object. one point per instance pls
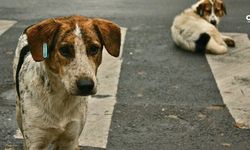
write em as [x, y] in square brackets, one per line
[166, 97]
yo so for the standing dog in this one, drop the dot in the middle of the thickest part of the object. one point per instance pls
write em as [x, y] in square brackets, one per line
[195, 29]
[55, 68]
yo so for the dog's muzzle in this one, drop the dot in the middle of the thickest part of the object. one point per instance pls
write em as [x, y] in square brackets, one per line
[85, 87]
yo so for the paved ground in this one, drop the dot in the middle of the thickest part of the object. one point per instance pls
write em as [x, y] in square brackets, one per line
[166, 98]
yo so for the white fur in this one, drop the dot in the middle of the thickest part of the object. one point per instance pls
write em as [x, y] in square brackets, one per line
[44, 102]
[81, 66]
[187, 28]
[52, 103]
[77, 31]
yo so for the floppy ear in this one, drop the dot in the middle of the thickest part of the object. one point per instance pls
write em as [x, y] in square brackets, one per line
[224, 8]
[41, 33]
[200, 10]
[110, 34]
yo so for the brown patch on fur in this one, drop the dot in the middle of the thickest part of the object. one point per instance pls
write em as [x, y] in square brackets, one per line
[56, 61]
[92, 41]
[219, 8]
[111, 36]
[205, 8]
[95, 33]
[38, 34]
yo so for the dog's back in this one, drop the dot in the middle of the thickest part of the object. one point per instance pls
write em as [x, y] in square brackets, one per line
[187, 29]
[22, 42]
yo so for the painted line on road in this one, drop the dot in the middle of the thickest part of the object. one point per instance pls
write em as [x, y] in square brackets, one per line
[232, 74]
[5, 25]
[100, 106]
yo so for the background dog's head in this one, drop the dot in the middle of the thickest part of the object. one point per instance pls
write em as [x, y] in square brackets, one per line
[74, 49]
[211, 10]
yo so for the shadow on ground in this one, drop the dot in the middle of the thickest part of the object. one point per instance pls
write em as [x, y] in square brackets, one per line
[19, 146]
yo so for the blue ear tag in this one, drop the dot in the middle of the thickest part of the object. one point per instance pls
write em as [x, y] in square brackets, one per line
[45, 50]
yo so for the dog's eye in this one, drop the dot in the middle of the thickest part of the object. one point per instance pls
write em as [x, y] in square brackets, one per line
[65, 51]
[217, 10]
[93, 49]
[209, 11]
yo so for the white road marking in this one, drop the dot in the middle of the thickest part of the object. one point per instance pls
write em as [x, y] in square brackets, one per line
[5, 25]
[232, 74]
[100, 107]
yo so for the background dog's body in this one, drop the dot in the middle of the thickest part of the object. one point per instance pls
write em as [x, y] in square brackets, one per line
[51, 92]
[195, 28]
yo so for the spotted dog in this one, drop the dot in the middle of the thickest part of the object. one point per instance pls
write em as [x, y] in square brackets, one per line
[55, 69]
[195, 29]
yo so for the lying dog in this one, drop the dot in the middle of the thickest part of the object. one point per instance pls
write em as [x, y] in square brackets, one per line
[55, 68]
[195, 28]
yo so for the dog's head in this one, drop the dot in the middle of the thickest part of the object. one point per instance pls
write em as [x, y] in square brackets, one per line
[74, 49]
[211, 10]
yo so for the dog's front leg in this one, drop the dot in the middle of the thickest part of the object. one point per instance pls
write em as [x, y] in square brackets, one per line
[67, 145]
[35, 145]
[68, 140]
[36, 139]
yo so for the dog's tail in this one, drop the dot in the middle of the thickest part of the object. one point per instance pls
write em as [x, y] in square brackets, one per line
[201, 43]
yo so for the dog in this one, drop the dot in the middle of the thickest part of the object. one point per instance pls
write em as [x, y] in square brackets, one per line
[55, 67]
[195, 29]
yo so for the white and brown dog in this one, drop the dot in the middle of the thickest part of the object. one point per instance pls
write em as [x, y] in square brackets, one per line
[195, 29]
[55, 68]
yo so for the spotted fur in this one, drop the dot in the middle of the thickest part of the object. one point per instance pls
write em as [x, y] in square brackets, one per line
[52, 95]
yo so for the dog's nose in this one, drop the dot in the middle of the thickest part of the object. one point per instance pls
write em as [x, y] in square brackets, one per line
[85, 86]
[213, 22]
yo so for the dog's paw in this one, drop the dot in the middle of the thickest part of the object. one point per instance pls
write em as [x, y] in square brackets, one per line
[229, 42]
